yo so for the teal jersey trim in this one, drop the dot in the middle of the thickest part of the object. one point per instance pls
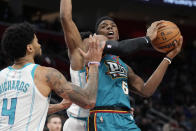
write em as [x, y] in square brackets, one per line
[33, 71]
[11, 68]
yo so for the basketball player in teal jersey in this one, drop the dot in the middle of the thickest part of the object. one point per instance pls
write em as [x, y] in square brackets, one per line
[111, 112]
[25, 86]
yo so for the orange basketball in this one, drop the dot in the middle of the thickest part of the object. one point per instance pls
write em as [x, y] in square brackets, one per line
[166, 36]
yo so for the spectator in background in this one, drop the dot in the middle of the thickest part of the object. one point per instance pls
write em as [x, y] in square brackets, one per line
[54, 123]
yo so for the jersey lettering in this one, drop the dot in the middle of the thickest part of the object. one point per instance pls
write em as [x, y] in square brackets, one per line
[14, 85]
[116, 70]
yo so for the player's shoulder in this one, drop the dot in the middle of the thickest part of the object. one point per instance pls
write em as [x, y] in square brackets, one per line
[45, 70]
[4, 70]
[44, 73]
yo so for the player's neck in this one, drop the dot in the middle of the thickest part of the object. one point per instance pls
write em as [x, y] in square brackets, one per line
[22, 61]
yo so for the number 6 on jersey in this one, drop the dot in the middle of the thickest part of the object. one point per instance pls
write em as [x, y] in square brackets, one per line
[125, 88]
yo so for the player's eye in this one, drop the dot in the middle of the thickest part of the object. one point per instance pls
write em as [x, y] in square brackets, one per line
[103, 26]
[114, 26]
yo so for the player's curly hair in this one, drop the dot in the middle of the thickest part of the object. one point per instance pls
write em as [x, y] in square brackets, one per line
[15, 40]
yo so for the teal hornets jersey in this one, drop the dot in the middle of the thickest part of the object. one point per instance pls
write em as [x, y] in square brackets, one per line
[112, 86]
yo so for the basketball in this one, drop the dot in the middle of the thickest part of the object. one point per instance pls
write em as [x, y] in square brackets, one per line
[166, 36]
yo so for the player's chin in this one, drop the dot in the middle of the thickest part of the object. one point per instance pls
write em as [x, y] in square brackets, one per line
[112, 38]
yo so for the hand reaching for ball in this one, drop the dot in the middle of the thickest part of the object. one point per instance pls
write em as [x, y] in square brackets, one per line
[153, 29]
[177, 48]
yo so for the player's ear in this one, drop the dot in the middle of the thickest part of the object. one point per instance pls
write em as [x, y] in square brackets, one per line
[29, 48]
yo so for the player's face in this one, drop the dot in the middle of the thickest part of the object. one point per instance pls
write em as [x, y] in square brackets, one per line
[55, 124]
[36, 46]
[109, 29]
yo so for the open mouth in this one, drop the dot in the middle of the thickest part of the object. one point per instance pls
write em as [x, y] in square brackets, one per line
[110, 35]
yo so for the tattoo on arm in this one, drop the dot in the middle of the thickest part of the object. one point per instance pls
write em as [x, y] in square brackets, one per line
[86, 95]
[54, 79]
[81, 96]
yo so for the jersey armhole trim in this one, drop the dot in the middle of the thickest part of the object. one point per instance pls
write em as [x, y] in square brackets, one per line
[33, 71]
[36, 89]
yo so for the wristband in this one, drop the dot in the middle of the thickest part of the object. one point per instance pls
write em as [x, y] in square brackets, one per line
[168, 59]
[93, 62]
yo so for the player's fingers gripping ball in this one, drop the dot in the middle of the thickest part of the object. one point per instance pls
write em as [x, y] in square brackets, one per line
[166, 37]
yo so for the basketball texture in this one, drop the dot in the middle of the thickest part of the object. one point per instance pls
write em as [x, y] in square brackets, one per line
[166, 36]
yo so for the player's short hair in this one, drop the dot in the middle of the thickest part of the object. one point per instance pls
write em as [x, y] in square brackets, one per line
[53, 116]
[15, 40]
[85, 35]
[100, 20]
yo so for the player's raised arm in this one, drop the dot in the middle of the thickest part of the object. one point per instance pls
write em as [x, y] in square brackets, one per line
[149, 87]
[71, 34]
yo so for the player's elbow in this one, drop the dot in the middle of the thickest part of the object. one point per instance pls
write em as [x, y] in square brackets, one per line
[65, 17]
[145, 92]
[147, 95]
[90, 104]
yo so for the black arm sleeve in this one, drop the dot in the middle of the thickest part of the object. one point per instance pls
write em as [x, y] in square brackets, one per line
[126, 47]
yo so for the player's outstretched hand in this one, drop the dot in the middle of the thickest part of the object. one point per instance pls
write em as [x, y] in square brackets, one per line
[177, 49]
[95, 51]
[153, 29]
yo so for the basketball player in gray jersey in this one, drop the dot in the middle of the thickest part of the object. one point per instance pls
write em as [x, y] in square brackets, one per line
[25, 86]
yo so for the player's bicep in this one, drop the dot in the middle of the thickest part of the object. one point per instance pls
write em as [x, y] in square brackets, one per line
[72, 36]
[57, 82]
[73, 41]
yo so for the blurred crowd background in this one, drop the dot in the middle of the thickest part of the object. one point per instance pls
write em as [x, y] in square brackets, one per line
[173, 106]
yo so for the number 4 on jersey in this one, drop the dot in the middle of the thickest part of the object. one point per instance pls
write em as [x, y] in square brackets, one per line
[9, 112]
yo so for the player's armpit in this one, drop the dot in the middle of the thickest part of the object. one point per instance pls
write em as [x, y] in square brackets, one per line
[135, 83]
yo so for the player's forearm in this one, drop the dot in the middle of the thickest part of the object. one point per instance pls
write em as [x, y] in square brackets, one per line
[86, 97]
[153, 82]
[92, 85]
[71, 34]
[65, 10]
[126, 47]
[53, 108]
